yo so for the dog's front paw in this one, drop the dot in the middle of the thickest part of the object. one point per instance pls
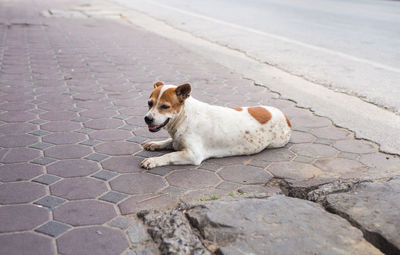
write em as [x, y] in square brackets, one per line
[150, 146]
[149, 163]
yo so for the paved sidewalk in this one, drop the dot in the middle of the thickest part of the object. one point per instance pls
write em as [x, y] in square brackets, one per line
[73, 94]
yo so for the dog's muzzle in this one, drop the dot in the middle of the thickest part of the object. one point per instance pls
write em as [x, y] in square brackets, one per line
[154, 128]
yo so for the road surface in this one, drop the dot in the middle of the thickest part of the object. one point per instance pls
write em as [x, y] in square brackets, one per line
[347, 46]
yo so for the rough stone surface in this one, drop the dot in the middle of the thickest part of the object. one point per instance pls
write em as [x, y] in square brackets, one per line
[374, 207]
[172, 232]
[276, 225]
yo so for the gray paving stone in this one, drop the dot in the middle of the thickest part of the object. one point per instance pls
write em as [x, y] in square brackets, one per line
[37, 111]
[43, 160]
[121, 222]
[137, 139]
[50, 201]
[173, 191]
[53, 228]
[82, 119]
[47, 179]
[113, 197]
[104, 175]
[85, 130]
[39, 133]
[97, 157]
[38, 121]
[41, 146]
[90, 142]
[121, 117]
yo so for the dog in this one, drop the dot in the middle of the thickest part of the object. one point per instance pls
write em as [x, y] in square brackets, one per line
[200, 131]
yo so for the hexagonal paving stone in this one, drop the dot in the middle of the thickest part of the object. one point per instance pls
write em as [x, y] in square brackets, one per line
[69, 151]
[104, 124]
[58, 115]
[73, 168]
[17, 128]
[21, 140]
[19, 172]
[78, 188]
[20, 192]
[272, 155]
[110, 135]
[117, 148]
[314, 150]
[301, 137]
[87, 212]
[64, 138]
[355, 146]
[244, 174]
[124, 164]
[61, 126]
[17, 116]
[22, 217]
[26, 244]
[340, 166]
[16, 106]
[92, 240]
[294, 170]
[96, 114]
[193, 179]
[380, 160]
[144, 132]
[19, 155]
[135, 204]
[140, 183]
[332, 133]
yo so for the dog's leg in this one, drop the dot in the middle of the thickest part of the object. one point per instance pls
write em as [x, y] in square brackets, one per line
[174, 158]
[159, 145]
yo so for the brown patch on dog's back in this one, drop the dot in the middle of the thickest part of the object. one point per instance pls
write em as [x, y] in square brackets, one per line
[261, 114]
[287, 121]
[170, 98]
[238, 109]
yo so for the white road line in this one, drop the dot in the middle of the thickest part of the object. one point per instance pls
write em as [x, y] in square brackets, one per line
[281, 38]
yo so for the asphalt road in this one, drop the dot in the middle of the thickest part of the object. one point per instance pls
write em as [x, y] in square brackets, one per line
[348, 46]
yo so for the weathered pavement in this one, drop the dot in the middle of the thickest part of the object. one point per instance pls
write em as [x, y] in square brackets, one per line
[73, 93]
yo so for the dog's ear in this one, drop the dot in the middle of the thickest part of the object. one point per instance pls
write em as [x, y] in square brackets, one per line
[183, 91]
[158, 84]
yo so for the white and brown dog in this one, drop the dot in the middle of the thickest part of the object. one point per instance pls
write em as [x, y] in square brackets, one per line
[199, 130]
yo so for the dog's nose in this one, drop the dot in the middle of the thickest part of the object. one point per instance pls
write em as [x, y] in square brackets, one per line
[148, 119]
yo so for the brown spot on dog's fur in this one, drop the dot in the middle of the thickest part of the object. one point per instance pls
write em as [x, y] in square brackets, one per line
[238, 109]
[156, 93]
[247, 132]
[261, 114]
[170, 98]
[287, 121]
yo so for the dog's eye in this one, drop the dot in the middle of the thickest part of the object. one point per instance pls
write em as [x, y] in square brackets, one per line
[150, 103]
[164, 106]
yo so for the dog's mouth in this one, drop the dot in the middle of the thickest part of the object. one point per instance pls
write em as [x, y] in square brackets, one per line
[157, 128]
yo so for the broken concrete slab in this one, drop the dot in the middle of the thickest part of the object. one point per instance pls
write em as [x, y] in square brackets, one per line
[268, 225]
[276, 225]
[374, 207]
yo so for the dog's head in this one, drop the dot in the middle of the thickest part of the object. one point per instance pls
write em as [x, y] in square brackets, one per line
[165, 103]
